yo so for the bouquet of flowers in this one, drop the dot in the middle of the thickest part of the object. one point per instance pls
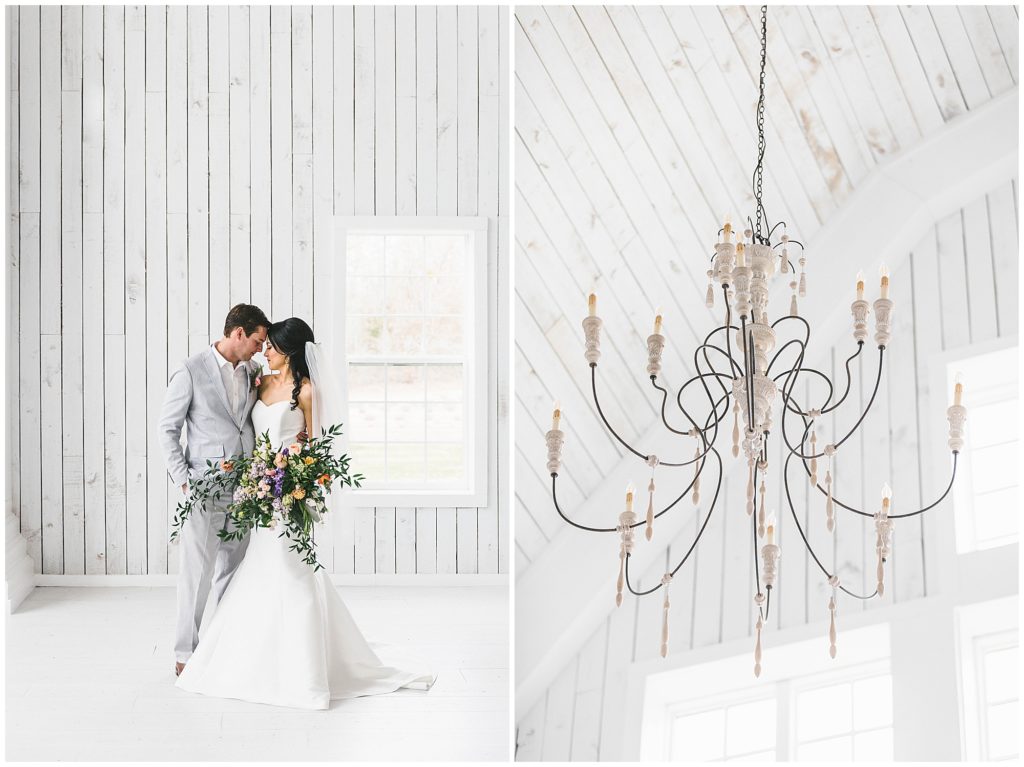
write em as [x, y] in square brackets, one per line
[286, 488]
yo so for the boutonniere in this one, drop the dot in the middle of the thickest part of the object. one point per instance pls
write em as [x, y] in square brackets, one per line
[255, 378]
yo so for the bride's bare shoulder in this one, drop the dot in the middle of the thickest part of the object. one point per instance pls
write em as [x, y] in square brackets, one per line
[306, 392]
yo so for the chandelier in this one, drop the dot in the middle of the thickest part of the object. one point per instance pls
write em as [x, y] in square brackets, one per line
[740, 368]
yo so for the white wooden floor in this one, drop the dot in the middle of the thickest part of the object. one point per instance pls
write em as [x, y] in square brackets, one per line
[90, 677]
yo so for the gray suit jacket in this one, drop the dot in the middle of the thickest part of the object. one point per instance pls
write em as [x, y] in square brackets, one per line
[196, 396]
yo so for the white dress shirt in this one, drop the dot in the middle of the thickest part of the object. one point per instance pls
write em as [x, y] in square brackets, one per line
[234, 378]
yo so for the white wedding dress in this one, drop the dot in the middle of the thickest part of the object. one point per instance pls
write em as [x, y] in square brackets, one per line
[281, 634]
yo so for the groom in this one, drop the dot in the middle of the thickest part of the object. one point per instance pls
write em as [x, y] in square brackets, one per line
[213, 393]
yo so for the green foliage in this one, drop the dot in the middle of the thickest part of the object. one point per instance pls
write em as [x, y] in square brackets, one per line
[285, 488]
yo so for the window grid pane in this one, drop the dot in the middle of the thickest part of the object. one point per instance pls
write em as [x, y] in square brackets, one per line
[406, 312]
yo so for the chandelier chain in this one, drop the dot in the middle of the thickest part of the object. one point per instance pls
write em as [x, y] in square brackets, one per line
[759, 212]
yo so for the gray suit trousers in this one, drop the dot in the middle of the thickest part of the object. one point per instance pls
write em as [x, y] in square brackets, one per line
[205, 562]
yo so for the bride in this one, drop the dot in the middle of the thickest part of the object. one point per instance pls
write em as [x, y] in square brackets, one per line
[281, 633]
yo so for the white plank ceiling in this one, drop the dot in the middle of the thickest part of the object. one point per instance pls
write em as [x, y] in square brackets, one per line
[635, 132]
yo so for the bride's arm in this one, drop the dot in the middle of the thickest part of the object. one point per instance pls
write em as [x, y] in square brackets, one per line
[306, 404]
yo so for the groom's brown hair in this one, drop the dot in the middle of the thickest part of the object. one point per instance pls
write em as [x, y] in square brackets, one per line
[247, 317]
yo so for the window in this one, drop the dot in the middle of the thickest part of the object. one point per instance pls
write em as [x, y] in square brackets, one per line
[738, 731]
[414, 334]
[985, 495]
[805, 706]
[988, 665]
[846, 721]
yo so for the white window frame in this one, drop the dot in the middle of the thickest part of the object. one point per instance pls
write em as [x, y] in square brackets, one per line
[719, 701]
[829, 678]
[477, 334]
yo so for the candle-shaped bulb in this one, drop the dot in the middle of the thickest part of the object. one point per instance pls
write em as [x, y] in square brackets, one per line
[884, 273]
[771, 529]
[556, 416]
[630, 492]
[741, 260]
[592, 305]
[657, 321]
[886, 495]
[860, 286]
[727, 228]
[958, 389]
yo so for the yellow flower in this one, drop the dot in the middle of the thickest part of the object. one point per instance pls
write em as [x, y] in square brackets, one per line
[309, 459]
[299, 493]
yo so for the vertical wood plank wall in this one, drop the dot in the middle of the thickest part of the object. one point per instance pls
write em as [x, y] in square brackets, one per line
[166, 162]
[967, 265]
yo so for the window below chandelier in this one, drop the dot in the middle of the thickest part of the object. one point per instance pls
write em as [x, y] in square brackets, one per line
[810, 708]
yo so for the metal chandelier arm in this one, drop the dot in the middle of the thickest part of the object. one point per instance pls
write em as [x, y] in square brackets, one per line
[803, 536]
[853, 429]
[630, 448]
[554, 498]
[703, 527]
[698, 429]
[851, 358]
[807, 469]
[922, 510]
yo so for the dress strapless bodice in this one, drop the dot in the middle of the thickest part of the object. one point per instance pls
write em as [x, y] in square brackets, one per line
[279, 420]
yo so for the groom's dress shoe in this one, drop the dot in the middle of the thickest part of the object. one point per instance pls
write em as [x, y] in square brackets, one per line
[178, 668]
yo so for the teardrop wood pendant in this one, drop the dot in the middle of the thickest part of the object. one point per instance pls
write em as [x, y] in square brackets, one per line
[649, 531]
[696, 479]
[622, 577]
[757, 648]
[830, 512]
[832, 625]
[814, 461]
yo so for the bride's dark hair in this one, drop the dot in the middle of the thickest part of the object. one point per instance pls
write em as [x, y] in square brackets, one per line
[289, 337]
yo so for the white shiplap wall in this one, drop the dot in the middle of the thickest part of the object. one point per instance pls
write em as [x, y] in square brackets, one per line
[166, 162]
[956, 262]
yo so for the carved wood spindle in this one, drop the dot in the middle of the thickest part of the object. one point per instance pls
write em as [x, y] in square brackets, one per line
[761, 512]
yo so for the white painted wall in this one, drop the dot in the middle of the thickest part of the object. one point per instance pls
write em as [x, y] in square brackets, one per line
[964, 270]
[166, 162]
